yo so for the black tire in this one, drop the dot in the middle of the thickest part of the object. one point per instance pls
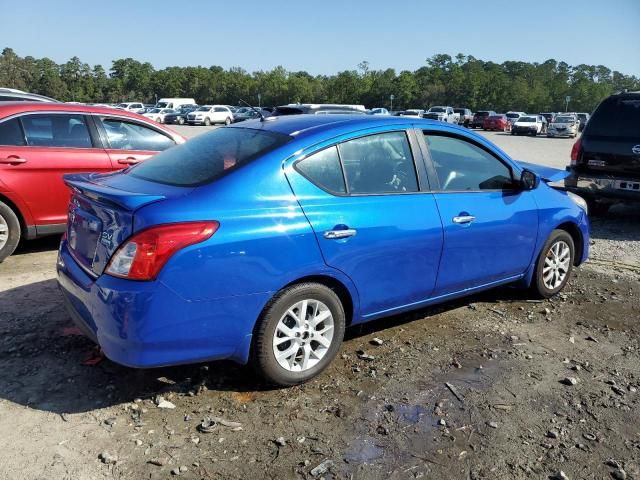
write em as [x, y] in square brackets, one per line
[538, 286]
[9, 218]
[227, 121]
[180, 121]
[207, 122]
[263, 358]
[596, 208]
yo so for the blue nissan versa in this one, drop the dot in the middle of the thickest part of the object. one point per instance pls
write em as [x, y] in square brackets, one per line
[262, 242]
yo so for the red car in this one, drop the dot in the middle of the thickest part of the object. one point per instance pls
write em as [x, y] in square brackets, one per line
[39, 142]
[495, 122]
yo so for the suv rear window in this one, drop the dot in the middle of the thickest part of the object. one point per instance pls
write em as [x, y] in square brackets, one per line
[616, 117]
[207, 157]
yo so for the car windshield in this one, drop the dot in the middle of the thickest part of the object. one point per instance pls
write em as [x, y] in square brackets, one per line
[496, 117]
[565, 120]
[161, 105]
[459, 110]
[154, 110]
[513, 115]
[526, 119]
[436, 109]
[123, 105]
[616, 117]
[203, 109]
[207, 157]
[582, 116]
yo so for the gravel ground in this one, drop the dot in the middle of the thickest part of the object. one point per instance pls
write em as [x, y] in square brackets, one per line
[481, 388]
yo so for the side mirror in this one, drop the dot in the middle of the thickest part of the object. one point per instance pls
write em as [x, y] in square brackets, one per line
[529, 180]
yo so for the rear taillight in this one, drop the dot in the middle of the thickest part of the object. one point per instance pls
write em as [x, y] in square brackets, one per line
[575, 151]
[143, 255]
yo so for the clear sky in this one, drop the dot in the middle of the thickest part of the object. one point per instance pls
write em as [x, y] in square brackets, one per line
[324, 36]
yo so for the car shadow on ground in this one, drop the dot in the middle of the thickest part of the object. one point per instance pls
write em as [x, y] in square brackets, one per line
[621, 223]
[38, 245]
[47, 365]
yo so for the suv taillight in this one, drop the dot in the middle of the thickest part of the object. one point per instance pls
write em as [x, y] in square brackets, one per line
[143, 255]
[575, 151]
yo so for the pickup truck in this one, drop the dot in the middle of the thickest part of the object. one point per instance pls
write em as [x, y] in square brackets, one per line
[442, 114]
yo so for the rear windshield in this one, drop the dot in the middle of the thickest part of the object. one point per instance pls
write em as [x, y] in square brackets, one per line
[436, 109]
[565, 119]
[482, 114]
[208, 156]
[513, 115]
[527, 119]
[616, 117]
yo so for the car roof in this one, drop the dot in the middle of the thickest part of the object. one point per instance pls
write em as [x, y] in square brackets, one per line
[11, 108]
[299, 125]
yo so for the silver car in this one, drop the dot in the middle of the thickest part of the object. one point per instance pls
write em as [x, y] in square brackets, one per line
[564, 126]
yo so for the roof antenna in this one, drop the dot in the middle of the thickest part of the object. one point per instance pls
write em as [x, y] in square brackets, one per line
[254, 109]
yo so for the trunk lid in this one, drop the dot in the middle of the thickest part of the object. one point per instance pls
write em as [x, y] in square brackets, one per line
[100, 214]
[610, 155]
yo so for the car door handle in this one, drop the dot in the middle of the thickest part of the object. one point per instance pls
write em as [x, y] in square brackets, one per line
[337, 234]
[128, 161]
[464, 219]
[13, 160]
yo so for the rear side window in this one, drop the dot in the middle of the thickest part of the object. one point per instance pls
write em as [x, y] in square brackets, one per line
[132, 136]
[11, 133]
[208, 156]
[463, 166]
[54, 130]
[616, 117]
[379, 164]
[323, 168]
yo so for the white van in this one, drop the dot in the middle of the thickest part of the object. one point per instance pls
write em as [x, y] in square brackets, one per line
[174, 103]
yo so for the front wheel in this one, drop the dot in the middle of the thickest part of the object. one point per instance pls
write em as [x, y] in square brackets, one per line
[9, 231]
[207, 122]
[554, 264]
[298, 334]
[180, 121]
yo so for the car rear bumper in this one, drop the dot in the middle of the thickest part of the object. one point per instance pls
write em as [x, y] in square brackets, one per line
[146, 324]
[598, 186]
[561, 133]
[528, 130]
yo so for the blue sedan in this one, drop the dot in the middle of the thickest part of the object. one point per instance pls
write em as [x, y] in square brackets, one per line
[262, 242]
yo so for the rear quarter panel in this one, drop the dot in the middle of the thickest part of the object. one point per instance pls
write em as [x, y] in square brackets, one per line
[264, 241]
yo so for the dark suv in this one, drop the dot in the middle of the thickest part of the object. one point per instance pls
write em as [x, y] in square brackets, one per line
[605, 160]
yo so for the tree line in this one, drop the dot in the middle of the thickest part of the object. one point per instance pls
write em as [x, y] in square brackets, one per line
[461, 81]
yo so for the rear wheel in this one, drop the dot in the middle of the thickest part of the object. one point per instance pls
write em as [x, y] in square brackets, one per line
[227, 121]
[207, 122]
[299, 334]
[554, 264]
[180, 121]
[9, 231]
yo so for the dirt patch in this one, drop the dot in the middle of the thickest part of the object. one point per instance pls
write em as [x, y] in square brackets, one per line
[477, 388]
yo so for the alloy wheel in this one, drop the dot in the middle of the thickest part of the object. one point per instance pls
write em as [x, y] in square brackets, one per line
[556, 265]
[303, 335]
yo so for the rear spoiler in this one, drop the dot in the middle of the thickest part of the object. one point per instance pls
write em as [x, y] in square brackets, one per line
[548, 174]
[82, 183]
